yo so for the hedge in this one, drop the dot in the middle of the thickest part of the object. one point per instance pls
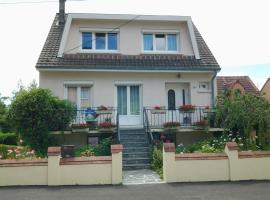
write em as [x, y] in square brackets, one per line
[8, 138]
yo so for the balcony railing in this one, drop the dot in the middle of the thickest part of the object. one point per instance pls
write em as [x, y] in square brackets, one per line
[156, 118]
[109, 115]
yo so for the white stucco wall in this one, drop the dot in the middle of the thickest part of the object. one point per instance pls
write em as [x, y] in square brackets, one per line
[153, 85]
[130, 42]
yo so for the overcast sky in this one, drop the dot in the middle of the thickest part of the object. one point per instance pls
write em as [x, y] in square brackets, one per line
[237, 32]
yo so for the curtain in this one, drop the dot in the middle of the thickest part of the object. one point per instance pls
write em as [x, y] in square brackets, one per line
[172, 42]
[148, 42]
[134, 100]
[72, 94]
[122, 100]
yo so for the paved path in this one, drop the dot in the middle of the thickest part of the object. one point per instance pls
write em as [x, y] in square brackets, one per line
[183, 191]
[137, 177]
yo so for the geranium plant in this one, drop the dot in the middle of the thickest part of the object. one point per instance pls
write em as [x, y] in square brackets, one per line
[159, 107]
[187, 108]
[79, 126]
[106, 125]
[171, 124]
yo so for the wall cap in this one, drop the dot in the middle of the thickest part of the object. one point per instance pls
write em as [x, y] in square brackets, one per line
[86, 160]
[54, 151]
[201, 156]
[232, 146]
[116, 148]
[253, 154]
[23, 162]
[169, 147]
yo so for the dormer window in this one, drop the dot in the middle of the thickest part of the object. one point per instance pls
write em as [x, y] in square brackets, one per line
[100, 41]
[160, 42]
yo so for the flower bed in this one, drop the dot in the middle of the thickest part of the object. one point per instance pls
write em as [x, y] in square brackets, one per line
[16, 152]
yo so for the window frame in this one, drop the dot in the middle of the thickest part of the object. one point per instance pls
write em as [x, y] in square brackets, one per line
[106, 50]
[166, 33]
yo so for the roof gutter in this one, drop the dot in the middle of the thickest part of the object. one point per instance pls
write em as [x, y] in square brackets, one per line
[213, 88]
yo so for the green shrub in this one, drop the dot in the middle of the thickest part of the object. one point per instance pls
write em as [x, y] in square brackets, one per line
[157, 160]
[102, 149]
[8, 138]
[242, 113]
[33, 112]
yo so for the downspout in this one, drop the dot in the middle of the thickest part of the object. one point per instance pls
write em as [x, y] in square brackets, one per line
[213, 88]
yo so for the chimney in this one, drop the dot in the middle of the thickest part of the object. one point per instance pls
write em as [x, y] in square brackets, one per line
[62, 12]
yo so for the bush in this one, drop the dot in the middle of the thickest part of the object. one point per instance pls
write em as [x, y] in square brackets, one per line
[8, 138]
[240, 114]
[102, 149]
[33, 112]
[157, 160]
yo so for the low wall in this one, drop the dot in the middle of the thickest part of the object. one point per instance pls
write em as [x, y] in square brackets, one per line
[63, 171]
[231, 165]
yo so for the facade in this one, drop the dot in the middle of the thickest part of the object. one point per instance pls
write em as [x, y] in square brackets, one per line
[242, 83]
[266, 89]
[128, 62]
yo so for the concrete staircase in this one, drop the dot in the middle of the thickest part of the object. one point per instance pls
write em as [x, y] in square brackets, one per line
[136, 149]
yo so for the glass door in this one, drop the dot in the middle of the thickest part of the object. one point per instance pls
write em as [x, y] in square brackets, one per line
[129, 104]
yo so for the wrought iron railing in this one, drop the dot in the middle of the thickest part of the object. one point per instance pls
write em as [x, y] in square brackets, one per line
[118, 129]
[157, 118]
[109, 115]
[147, 126]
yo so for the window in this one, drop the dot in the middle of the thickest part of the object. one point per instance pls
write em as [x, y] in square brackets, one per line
[79, 95]
[99, 41]
[87, 40]
[160, 42]
[204, 85]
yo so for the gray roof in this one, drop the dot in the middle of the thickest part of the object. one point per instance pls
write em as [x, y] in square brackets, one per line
[48, 58]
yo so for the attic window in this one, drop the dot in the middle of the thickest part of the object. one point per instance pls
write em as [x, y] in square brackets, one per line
[160, 42]
[99, 41]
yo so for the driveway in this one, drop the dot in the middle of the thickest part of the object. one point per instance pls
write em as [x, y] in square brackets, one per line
[184, 191]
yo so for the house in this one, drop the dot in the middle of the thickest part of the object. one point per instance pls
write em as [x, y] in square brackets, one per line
[131, 63]
[266, 89]
[242, 83]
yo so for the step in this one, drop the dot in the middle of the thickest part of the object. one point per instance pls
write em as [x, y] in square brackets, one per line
[128, 137]
[135, 144]
[127, 140]
[135, 154]
[136, 166]
[127, 161]
[136, 149]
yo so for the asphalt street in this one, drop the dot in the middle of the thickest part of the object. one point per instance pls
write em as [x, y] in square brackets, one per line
[248, 190]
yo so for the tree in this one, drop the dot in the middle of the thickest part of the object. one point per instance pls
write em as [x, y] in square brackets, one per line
[243, 113]
[4, 125]
[34, 112]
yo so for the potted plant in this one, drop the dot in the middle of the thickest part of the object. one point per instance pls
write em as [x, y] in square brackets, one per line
[106, 126]
[171, 125]
[201, 125]
[189, 108]
[158, 110]
[104, 110]
[78, 128]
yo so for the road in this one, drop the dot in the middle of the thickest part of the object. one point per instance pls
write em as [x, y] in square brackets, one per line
[247, 190]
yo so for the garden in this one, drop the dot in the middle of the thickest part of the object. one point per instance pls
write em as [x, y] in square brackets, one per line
[246, 121]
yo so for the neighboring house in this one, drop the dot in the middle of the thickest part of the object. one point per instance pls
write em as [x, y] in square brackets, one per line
[127, 61]
[242, 83]
[266, 89]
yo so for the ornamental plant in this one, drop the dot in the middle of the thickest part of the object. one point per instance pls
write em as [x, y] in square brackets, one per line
[202, 124]
[171, 124]
[106, 124]
[187, 108]
[79, 126]
[159, 107]
[241, 114]
[34, 112]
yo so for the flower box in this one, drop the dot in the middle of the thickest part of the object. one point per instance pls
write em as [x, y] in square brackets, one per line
[158, 110]
[188, 108]
[79, 128]
[201, 125]
[171, 125]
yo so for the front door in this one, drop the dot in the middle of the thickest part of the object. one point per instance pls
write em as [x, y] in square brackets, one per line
[129, 105]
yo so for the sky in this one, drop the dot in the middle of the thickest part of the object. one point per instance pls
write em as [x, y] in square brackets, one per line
[237, 32]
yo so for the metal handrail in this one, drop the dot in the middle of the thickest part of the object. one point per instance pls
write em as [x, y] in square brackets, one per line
[118, 128]
[146, 126]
